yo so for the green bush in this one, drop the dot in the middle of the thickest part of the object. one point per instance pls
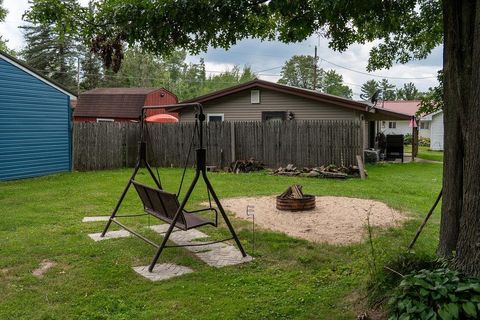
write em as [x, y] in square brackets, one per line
[438, 294]
[385, 280]
[424, 142]
[407, 139]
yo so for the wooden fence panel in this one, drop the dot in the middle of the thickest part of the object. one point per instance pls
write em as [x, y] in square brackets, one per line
[99, 146]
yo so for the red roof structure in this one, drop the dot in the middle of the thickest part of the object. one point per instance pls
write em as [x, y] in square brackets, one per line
[121, 104]
[409, 107]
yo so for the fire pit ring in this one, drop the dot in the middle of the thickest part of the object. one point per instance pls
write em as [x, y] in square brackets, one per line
[292, 204]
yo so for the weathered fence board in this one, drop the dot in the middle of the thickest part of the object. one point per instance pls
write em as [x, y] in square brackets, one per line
[108, 145]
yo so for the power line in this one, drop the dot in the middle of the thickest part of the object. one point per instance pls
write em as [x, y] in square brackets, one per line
[376, 75]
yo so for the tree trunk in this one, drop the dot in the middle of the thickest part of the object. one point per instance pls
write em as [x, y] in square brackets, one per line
[460, 223]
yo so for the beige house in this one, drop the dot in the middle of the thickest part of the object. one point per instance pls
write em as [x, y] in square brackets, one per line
[260, 100]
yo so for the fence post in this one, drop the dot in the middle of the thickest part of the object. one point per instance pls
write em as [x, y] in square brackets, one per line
[232, 140]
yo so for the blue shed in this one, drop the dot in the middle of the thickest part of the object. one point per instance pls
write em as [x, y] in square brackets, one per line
[35, 122]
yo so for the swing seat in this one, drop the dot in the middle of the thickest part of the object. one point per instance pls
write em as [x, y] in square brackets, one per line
[164, 205]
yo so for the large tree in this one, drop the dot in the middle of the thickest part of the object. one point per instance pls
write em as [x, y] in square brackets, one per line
[409, 92]
[52, 49]
[299, 71]
[388, 90]
[369, 88]
[406, 29]
[3, 14]
[332, 83]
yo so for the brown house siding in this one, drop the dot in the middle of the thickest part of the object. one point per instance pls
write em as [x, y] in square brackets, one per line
[237, 107]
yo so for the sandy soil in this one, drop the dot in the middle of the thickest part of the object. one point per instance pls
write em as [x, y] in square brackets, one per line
[335, 220]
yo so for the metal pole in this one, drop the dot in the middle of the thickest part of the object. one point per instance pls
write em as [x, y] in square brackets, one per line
[315, 70]
[224, 215]
[121, 198]
[174, 221]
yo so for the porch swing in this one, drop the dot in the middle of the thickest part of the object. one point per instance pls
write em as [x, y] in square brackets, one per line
[165, 205]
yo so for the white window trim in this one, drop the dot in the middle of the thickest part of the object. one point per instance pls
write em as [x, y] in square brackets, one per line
[215, 115]
[251, 96]
[105, 120]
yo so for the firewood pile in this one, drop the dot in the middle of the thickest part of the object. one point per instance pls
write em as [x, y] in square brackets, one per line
[245, 166]
[293, 192]
[293, 199]
[330, 171]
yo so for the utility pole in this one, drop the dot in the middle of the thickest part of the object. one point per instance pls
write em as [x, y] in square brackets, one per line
[78, 75]
[315, 70]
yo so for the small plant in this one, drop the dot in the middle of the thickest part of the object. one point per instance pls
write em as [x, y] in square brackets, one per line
[408, 138]
[424, 142]
[436, 294]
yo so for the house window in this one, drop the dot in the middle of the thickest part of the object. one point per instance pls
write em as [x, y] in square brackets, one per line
[255, 96]
[105, 120]
[273, 115]
[383, 124]
[425, 125]
[215, 117]
[392, 125]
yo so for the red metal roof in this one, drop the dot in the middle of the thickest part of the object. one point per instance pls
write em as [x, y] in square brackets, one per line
[406, 107]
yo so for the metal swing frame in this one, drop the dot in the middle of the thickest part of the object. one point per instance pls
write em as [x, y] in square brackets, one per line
[200, 171]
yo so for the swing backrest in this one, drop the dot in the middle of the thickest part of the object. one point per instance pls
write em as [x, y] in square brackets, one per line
[160, 203]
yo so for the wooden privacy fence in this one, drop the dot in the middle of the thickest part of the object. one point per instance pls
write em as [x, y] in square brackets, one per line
[110, 145]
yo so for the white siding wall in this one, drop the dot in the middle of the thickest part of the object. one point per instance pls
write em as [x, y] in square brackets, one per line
[436, 128]
[403, 127]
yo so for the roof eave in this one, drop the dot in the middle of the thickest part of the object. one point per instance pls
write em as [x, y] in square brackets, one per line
[343, 102]
[32, 71]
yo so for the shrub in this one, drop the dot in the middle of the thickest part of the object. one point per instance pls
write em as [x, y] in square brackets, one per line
[437, 294]
[408, 138]
[383, 282]
[424, 142]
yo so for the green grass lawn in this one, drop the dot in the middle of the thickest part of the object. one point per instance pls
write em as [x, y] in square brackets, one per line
[426, 153]
[289, 278]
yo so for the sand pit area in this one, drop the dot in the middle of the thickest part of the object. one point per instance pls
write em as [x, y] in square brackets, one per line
[335, 220]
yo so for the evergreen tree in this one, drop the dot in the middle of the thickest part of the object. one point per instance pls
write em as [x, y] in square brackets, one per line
[92, 72]
[3, 14]
[409, 92]
[51, 52]
[369, 88]
[388, 90]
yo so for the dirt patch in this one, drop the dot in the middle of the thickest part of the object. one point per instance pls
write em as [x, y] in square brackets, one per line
[4, 270]
[335, 220]
[44, 266]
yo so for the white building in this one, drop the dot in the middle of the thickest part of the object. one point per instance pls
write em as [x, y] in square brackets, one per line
[436, 131]
[403, 126]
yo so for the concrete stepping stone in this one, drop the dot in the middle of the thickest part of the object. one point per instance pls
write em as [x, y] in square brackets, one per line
[110, 235]
[162, 271]
[162, 228]
[94, 219]
[216, 254]
[221, 257]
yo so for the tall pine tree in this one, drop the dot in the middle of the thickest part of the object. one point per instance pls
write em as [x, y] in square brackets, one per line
[51, 52]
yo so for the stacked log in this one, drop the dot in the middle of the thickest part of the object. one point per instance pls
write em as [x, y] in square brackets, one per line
[330, 171]
[245, 166]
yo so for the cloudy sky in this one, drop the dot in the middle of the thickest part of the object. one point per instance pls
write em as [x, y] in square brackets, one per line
[266, 58]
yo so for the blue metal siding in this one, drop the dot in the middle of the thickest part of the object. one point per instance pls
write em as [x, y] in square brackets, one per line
[34, 126]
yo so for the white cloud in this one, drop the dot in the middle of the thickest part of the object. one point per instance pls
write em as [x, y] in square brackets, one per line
[267, 55]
